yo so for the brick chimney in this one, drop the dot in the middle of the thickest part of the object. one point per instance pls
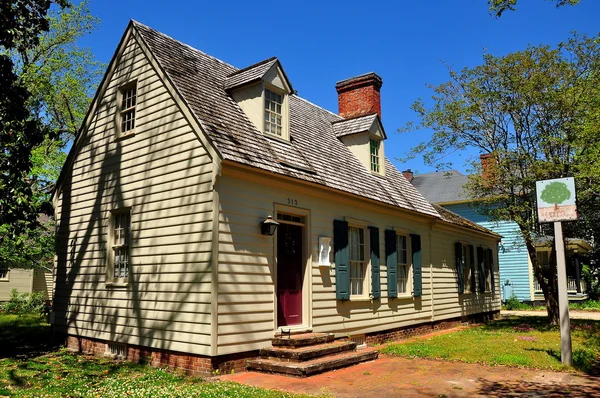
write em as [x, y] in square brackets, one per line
[409, 175]
[359, 95]
[488, 163]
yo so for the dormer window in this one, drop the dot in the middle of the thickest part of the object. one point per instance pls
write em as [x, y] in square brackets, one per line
[375, 158]
[273, 113]
[127, 110]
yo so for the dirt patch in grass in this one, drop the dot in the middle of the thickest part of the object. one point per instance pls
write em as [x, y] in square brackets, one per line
[516, 341]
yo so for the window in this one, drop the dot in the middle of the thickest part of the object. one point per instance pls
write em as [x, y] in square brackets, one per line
[467, 261]
[3, 272]
[273, 114]
[374, 145]
[403, 265]
[128, 102]
[121, 231]
[358, 265]
[488, 270]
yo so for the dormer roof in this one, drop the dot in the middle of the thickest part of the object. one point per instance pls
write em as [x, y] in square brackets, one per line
[356, 125]
[254, 73]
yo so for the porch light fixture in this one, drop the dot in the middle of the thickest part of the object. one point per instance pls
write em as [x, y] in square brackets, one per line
[269, 226]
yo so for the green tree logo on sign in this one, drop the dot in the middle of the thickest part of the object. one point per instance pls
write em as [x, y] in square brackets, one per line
[556, 193]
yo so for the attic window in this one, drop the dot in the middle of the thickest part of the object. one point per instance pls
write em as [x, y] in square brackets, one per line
[127, 110]
[375, 159]
[273, 114]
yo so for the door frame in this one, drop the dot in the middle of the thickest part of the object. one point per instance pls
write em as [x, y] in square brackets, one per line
[306, 263]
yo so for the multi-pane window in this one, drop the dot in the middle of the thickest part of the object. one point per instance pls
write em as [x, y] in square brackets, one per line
[374, 146]
[128, 101]
[488, 270]
[3, 271]
[273, 115]
[358, 265]
[120, 244]
[403, 264]
[466, 258]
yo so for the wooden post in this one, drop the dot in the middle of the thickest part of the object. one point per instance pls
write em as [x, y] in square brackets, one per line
[563, 299]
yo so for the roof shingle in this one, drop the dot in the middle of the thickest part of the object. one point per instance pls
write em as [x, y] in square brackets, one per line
[355, 125]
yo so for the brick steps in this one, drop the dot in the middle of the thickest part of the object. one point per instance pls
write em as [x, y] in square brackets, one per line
[313, 366]
[307, 354]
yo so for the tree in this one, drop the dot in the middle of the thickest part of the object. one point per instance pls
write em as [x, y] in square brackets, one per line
[555, 193]
[498, 7]
[59, 77]
[535, 113]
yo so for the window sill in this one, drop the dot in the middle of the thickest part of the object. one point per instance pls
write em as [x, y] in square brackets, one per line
[129, 134]
[404, 297]
[282, 139]
[117, 284]
[360, 299]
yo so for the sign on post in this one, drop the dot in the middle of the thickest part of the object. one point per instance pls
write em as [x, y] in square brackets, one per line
[556, 203]
[556, 200]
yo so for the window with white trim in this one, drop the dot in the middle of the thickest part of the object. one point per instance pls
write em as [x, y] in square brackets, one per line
[375, 159]
[488, 270]
[273, 113]
[120, 244]
[3, 271]
[127, 109]
[403, 265]
[466, 255]
[358, 263]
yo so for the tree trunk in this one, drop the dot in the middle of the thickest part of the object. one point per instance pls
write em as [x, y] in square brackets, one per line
[547, 280]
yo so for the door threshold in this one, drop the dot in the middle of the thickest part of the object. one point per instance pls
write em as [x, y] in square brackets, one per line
[296, 329]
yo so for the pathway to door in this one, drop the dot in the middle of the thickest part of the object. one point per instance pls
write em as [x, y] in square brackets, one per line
[399, 377]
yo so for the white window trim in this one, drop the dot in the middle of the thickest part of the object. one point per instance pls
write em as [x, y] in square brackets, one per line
[489, 267]
[6, 277]
[366, 294]
[119, 128]
[285, 113]
[111, 281]
[409, 275]
[467, 267]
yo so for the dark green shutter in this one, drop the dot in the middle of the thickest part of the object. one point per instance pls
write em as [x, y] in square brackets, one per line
[415, 245]
[459, 267]
[375, 266]
[491, 263]
[473, 281]
[391, 260]
[342, 260]
[481, 264]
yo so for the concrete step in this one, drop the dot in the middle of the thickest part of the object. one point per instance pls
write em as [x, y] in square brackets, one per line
[301, 340]
[313, 366]
[306, 353]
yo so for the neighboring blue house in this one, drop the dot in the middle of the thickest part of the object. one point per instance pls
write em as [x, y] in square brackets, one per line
[445, 188]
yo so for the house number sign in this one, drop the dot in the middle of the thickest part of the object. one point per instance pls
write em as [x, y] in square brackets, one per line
[293, 202]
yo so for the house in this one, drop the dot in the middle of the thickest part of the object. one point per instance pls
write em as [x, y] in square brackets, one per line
[24, 281]
[183, 169]
[447, 189]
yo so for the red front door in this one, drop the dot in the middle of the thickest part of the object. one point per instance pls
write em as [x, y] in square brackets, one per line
[289, 275]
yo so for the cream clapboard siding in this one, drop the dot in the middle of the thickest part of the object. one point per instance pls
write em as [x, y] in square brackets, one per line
[42, 282]
[246, 296]
[448, 303]
[19, 279]
[164, 174]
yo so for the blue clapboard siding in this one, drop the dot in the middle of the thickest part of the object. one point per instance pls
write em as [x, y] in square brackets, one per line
[512, 254]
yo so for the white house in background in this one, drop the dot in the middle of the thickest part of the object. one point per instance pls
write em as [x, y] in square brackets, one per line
[25, 281]
[167, 200]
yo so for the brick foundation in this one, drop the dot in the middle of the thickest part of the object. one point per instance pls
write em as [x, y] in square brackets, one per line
[191, 364]
[410, 331]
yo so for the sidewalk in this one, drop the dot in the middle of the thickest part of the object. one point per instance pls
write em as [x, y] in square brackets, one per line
[572, 314]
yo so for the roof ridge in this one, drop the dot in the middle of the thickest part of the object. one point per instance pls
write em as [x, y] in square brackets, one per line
[316, 106]
[183, 44]
[355, 117]
[264, 61]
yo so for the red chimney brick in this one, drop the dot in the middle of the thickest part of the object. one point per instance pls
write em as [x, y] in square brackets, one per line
[359, 95]
[488, 166]
[409, 175]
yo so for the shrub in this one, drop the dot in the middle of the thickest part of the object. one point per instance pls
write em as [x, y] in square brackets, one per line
[22, 303]
[513, 304]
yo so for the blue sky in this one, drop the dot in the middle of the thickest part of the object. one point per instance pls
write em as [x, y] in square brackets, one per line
[321, 42]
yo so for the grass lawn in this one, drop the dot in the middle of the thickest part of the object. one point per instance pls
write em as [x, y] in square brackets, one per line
[587, 305]
[60, 373]
[515, 341]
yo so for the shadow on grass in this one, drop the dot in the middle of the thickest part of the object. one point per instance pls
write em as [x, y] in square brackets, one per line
[25, 336]
[533, 389]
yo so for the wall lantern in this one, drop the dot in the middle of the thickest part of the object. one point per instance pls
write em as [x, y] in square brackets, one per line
[269, 226]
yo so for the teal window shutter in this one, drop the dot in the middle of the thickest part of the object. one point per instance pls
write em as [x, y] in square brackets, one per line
[342, 260]
[481, 263]
[415, 247]
[391, 261]
[375, 263]
[459, 267]
[491, 256]
[473, 280]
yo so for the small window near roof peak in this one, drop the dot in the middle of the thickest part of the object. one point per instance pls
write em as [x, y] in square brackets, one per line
[127, 109]
[273, 113]
[375, 159]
